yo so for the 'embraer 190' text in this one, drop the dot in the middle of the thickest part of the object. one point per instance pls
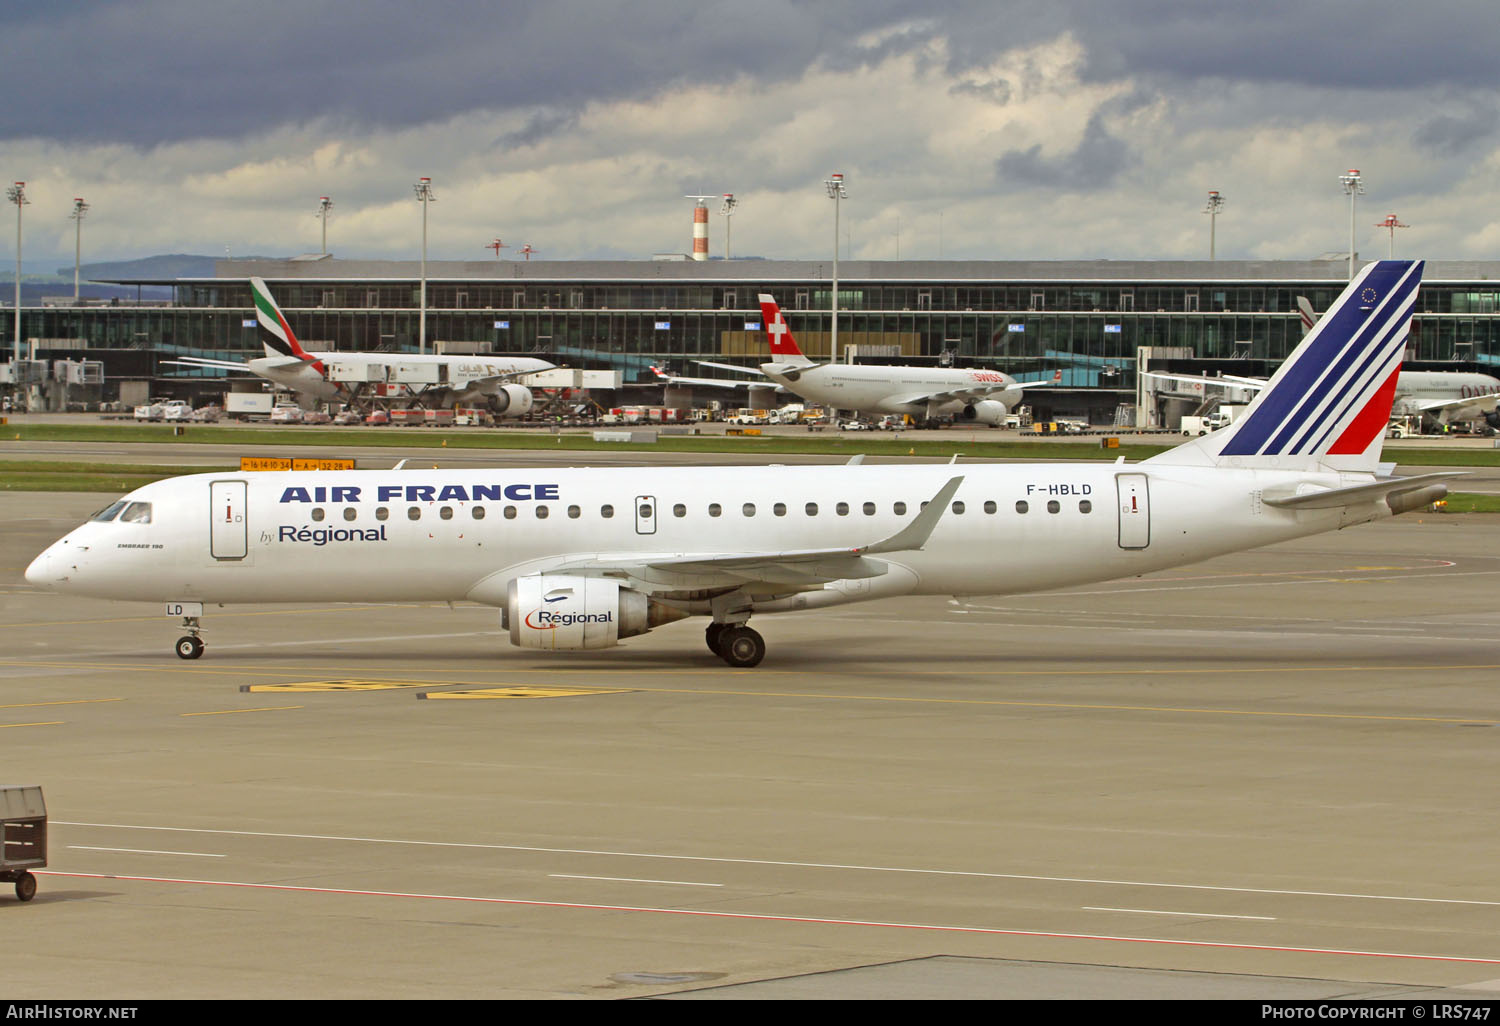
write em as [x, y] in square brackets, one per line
[424, 493]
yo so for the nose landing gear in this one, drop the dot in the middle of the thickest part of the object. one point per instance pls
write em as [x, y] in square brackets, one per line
[190, 645]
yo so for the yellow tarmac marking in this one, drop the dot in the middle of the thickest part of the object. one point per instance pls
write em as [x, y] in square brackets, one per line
[335, 685]
[522, 691]
[658, 672]
[231, 712]
[70, 701]
[46, 723]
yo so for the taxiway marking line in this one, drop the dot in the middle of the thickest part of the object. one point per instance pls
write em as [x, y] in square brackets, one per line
[44, 723]
[232, 712]
[1160, 912]
[755, 917]
[147, 851]
[631, 879]
[65, 701]
[974, 874]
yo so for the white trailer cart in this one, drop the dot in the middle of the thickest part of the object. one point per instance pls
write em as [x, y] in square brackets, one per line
[23, 837]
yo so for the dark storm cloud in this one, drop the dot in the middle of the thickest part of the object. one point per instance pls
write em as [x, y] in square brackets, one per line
[160, 70]
[1095, 162]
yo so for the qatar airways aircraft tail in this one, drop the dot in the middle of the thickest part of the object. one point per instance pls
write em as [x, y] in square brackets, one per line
[1328, 405]
[784, 348]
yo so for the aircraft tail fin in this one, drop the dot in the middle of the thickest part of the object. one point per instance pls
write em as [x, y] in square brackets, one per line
[784, 347]
[1327, 407]
[275, 333]
[1304, 307]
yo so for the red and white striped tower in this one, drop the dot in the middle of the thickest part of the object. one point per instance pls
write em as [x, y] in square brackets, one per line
[700, 226]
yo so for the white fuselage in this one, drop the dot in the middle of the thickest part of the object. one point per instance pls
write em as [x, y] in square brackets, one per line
[479, 375]
[1441, 394]
[463, 534]
[877, 389]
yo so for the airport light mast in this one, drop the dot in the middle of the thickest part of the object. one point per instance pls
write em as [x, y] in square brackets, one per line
[835, 186]
[1215, 204]
[79, 209]
[1354, 185]
[726, 211]
[423, 190]
[17, 195]
[1391, 223]
[324, 206]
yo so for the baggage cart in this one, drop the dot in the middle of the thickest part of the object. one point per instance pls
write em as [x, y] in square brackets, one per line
[23, 837]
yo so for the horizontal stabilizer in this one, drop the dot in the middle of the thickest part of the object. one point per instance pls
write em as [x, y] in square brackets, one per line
[1389, 488]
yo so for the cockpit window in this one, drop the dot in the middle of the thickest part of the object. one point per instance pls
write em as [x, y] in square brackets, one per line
[108, 513]
[136, 513]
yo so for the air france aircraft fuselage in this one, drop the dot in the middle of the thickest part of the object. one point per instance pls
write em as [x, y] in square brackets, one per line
[582, 558]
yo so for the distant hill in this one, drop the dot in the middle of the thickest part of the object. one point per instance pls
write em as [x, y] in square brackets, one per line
[171, 265]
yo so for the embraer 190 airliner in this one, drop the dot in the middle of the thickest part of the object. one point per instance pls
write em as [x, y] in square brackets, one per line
[583, 558]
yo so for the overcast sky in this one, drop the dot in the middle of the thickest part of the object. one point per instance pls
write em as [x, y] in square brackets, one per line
[980, 130]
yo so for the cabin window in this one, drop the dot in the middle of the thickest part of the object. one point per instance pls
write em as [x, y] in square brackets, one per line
[574, 512]
[606, 511]
[679, 510]
[869, 509]
[381, 513]
[779, 509]
[1053, 506]
[842, 509]
[749, 509]
[414, 512]
[714, 509]
[108, 513]
[446, 512]
[1085, 506]
[541, 512]
[350, 512]
[477, 512]
[812, 509]
[899, 509]
[643, 511]
[140, 513]
[958, 507]
[1022, 506]
[989, 506]
[510, 512]
[317, 513]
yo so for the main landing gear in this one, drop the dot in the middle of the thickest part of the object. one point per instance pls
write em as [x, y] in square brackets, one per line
[190, 645]
[738, 645]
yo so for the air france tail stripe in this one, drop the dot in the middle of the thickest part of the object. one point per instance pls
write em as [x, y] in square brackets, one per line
[1305, 414]
[1373, 369]
[1377, 369]
[1349, 354]
[1313, 410]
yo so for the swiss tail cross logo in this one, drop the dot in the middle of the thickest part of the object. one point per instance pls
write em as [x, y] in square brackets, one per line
[783, 346]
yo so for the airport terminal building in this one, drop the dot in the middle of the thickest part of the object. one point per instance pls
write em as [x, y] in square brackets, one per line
[1089, 319]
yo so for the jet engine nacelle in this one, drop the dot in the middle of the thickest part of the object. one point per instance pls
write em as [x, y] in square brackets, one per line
[1492, 418]
[564, 612]
[986, 411]
[512, 400]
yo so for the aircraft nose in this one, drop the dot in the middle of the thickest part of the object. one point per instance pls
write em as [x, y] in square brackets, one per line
[37, 572]
[48, 569]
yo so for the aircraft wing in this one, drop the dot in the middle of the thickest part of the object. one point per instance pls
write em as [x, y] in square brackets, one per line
[203, 363]
[1468, 408]
[793, 568]
[731, 367]
[976, 391]
[674, 379]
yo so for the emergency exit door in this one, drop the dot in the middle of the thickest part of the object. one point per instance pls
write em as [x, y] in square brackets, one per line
[1135, 510]
[228, 532]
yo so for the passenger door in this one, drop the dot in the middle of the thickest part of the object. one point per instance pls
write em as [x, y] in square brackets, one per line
[228, 531]
[1135, 510]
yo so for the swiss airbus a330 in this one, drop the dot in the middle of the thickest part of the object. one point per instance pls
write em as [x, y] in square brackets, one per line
[583, 558]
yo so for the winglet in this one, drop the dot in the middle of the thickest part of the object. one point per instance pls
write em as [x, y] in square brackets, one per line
[915, 534]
